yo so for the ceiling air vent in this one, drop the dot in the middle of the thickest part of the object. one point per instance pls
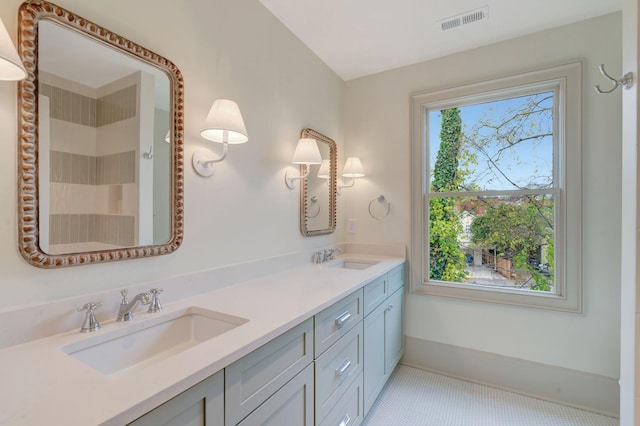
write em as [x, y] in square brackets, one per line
[464, 18]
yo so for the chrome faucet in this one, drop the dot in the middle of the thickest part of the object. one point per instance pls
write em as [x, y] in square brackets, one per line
[126, 307]
[330, 254]
[325, 255]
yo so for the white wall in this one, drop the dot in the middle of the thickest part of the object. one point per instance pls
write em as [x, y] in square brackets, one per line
[377, 120]
[224, 48]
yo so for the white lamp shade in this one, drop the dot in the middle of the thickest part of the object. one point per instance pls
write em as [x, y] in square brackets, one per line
[224, 123]
[11, 67]
[353, 168]
[307, 152]
[323, 172]
[167, 137]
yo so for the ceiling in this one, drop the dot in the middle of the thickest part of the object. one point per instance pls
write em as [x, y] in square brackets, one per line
[361, 37]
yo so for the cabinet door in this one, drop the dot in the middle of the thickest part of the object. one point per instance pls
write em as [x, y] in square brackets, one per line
[394, 336]
[292, 405]
[200, 405]
[374, 355]
[256, 376]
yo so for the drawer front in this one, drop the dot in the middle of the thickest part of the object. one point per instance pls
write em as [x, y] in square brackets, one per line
[254, 378]
[336, 369]
[374, 293]
[291, 405]
[395, 278]
[335, 321]
[348, 410]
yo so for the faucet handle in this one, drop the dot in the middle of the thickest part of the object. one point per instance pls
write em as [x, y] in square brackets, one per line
[155, 305]
[124, 293]
[90, 322]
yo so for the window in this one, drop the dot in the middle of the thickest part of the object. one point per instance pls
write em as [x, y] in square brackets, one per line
[496, 190]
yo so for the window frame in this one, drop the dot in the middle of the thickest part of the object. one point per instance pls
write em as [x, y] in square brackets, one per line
[567, 81]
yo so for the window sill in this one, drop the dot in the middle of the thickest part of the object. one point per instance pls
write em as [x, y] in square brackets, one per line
[571, 302]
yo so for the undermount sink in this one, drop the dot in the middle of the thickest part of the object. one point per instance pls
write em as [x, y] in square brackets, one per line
[144, 342]
[354, 263]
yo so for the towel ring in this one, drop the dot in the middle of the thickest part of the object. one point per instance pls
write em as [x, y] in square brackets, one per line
[314, 200]
[383, 201]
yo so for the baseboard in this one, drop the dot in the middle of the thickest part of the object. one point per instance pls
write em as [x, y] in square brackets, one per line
[578, 389]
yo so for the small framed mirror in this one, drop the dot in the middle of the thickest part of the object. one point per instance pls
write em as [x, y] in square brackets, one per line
[100, 167]
[318, 190]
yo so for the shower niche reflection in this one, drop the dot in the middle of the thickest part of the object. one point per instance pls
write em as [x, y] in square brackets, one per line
[108, 161]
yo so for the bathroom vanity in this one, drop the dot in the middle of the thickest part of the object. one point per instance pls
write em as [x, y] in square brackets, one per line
[352, 346]
[312, 344]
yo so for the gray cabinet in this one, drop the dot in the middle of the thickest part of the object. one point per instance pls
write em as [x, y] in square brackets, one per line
[254, 378]
[326, 371]
[291, 405]
[338, 363]
[200, 405]
[383, 338]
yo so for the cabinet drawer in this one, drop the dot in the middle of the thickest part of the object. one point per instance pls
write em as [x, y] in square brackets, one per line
[336, 369]
[348, 410]
[254, 378]
[336, 320]
[374, 293]
[395, 279]
[292, 405]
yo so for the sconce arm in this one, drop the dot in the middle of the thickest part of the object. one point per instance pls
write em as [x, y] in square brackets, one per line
[290, 181]
[349, 185]
[203, 160]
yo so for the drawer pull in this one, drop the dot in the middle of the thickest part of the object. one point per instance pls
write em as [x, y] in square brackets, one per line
[342, 319]
[343, 367]
[345, 420]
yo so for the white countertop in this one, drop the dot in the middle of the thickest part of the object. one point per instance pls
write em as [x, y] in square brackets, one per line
[40, 384]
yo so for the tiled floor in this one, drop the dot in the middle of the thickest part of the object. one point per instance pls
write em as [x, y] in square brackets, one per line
[415, 397]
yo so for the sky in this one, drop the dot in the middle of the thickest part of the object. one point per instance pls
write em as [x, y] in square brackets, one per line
[527, 164]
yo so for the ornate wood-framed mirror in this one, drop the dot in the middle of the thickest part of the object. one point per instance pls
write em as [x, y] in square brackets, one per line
[318, 191]
[100, 155]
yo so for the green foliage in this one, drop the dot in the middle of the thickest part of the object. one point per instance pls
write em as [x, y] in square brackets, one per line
[446, 167]
[513, 226]
[517, 229]
[446, 259]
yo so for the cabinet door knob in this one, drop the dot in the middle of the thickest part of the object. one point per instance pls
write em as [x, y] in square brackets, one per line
[345, 420]
[342, 319]
[343, 367]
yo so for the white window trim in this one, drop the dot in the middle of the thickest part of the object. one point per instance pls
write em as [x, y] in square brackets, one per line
[568, 250]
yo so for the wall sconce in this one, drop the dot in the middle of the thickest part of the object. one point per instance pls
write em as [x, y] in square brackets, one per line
[352, 169]
[11, 68]
[307, 153]
[167, 137]
[224, 124]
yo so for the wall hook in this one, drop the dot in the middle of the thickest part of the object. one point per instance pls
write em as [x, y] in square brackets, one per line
[626, 81]
[148, 155]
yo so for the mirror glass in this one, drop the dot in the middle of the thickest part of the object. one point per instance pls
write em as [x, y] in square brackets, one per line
[102, 180]
[318, 191]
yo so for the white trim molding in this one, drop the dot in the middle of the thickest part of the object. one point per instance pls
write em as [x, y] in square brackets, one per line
[575, 388]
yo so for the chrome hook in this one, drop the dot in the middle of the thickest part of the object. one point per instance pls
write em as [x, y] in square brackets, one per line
[626, 81]
[148, 155]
